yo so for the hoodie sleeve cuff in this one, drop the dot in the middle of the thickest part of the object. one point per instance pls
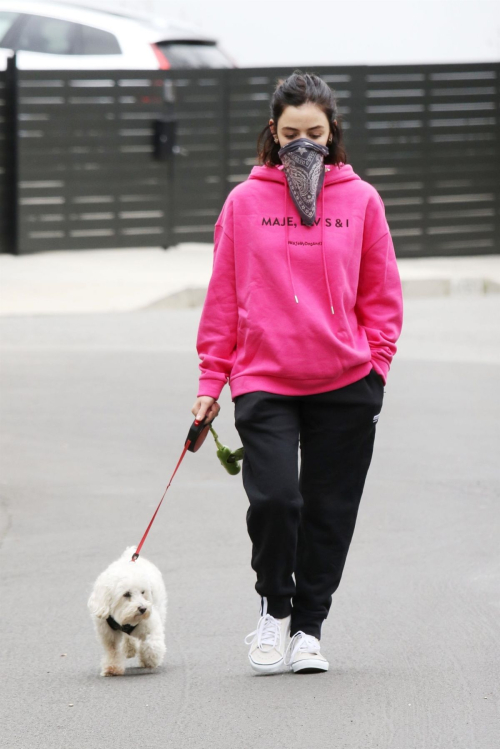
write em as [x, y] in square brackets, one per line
[210, 387]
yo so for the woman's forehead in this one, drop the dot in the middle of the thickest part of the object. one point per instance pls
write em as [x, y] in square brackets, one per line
[305, 115]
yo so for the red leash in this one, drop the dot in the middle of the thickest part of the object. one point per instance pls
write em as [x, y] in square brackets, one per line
[195, 439]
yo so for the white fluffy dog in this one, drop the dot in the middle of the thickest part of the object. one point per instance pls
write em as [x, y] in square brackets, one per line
[129, 607]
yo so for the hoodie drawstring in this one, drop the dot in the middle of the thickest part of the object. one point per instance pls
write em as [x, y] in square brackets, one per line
[322, 245]
[287, 242]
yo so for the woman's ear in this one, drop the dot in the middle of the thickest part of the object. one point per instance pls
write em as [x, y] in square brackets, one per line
[99, 603]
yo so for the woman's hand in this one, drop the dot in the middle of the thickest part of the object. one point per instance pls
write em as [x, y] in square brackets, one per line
[205, 406]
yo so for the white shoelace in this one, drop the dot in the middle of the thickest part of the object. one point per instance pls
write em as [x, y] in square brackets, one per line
[268, 632]
[300, 643]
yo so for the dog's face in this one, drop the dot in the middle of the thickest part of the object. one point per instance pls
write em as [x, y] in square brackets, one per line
[123, 592]
[131, 601]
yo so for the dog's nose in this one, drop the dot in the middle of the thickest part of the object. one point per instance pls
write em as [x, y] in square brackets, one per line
[142, 610]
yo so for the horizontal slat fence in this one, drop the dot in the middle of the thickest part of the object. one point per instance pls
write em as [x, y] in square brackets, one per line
[86, 176]
[426, 136]
[201, 162]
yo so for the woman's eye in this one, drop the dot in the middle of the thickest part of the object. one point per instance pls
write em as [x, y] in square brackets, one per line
[293, 137]
[127, 595]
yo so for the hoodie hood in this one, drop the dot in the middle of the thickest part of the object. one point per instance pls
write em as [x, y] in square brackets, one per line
[334, 174]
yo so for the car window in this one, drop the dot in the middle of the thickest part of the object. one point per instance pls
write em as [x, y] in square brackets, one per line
[193, 55]
[6, 21]
[50, 35]
[98, 42]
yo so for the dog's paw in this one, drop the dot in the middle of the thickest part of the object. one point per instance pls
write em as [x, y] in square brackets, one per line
[112, 671]
[151, 660]
[151, 656]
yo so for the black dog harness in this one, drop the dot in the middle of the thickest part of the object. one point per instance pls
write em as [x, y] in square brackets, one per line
[127, 628]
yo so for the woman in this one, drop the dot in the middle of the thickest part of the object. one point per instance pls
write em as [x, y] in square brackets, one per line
[302, 315]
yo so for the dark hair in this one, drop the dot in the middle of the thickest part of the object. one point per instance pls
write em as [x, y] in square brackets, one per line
[301, 88]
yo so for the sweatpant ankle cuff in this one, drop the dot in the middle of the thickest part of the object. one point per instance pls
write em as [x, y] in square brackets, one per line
[279, 607]
[309, 628]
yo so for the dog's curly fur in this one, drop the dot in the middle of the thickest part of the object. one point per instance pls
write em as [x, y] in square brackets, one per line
[131, 593]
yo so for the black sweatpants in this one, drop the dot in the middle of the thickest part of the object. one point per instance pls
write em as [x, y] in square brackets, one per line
[302, 523]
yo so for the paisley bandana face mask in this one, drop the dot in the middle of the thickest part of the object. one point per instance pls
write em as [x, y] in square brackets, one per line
[304, 166]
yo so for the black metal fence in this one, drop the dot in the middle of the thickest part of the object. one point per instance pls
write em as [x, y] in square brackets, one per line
[119, 158]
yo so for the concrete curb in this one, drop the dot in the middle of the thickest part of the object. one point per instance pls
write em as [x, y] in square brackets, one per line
[412, 288]
[423, 287]
[184, 299]
[128, 280]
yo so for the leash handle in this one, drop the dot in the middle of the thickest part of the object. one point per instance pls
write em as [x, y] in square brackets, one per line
[197, 433]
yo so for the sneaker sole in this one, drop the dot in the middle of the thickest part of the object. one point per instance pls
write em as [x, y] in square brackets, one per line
[268, 668]
[309, 667]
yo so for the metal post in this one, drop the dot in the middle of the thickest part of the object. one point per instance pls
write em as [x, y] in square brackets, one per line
[11, 166]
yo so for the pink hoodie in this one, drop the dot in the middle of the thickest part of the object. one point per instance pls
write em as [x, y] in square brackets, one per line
[296, 309]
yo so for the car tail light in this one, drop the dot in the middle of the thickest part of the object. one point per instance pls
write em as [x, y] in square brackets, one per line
[163, 63]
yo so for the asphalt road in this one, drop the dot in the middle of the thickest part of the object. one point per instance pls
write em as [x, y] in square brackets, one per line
[94, 413]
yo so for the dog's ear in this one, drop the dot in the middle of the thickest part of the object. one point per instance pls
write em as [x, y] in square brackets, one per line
[99, 603]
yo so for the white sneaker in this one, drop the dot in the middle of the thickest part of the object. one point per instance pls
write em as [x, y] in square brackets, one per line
[268, 642]
[303, 656]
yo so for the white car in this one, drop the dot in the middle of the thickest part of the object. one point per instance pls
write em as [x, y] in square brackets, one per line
[54, 36]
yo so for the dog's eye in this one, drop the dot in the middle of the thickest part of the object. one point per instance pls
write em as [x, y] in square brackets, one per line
[127, 594]
[142, 592]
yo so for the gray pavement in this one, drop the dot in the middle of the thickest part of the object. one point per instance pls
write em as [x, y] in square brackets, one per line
[94, 412]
